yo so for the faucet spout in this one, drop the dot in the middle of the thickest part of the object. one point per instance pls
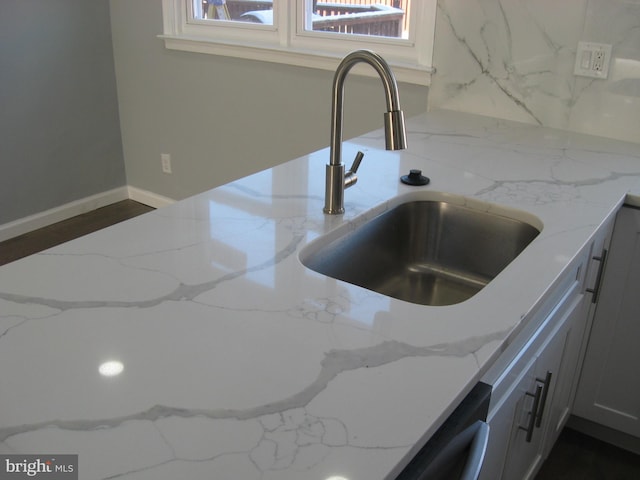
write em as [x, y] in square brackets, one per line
[395, 137]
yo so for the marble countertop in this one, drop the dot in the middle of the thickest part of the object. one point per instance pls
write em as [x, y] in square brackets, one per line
[237, 361]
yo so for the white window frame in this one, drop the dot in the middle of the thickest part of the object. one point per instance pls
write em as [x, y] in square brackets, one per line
[287, 42]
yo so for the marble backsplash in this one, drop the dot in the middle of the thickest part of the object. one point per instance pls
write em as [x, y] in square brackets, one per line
[514, 59]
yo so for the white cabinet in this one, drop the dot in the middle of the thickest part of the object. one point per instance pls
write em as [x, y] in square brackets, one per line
[609, 388]
[501, 419]
[535, 380]
[540, 414]
[537, 414]
[567, 343]
[531, 399]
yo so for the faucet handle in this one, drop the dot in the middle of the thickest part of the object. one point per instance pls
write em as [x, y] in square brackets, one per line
[350, 177]
[356, 162]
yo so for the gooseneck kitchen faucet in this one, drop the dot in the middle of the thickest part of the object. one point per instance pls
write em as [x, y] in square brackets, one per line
[337, 180]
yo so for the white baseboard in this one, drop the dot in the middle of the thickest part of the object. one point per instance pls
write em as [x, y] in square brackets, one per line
[149, 198]
[78, 207]
[63, 212]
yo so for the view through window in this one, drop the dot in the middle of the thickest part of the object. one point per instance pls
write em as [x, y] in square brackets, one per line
[307, 33]
[384, 18]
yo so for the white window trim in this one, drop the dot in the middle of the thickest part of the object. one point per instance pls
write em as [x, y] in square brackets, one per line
[410, 59]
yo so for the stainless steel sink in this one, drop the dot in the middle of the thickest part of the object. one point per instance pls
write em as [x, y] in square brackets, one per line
[425, 252]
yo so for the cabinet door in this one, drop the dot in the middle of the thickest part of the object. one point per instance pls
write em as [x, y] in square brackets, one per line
[524, 440]
[501, 420]
[542, 411]
[609, 389]
[531, 424]
[569, 341]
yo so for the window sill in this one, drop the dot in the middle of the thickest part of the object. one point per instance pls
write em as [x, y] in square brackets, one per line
[407, 73]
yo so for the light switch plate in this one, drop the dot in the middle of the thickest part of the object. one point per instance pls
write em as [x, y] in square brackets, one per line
[592, 60]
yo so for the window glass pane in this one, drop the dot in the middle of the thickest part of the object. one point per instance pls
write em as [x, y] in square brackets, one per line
[254, 11]
[385, 18]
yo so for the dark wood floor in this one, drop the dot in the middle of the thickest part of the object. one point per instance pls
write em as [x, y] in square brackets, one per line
[580, 457]
[574, 457]
[47, 237]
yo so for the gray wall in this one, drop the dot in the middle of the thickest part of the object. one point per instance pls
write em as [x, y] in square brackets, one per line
[222, 118]
[59, 130]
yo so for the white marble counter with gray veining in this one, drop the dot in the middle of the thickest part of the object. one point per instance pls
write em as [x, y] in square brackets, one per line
[237, 361]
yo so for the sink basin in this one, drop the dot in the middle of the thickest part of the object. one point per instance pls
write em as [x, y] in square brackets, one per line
[429, 252]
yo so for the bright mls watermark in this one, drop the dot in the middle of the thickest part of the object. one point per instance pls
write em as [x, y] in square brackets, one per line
[51, 467]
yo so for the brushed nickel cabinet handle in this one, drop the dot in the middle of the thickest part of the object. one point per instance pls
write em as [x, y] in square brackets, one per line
[596, 287]
[543, 401]
[533, 413]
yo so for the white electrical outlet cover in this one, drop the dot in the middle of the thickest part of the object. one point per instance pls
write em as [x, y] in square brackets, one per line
[592, 60]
